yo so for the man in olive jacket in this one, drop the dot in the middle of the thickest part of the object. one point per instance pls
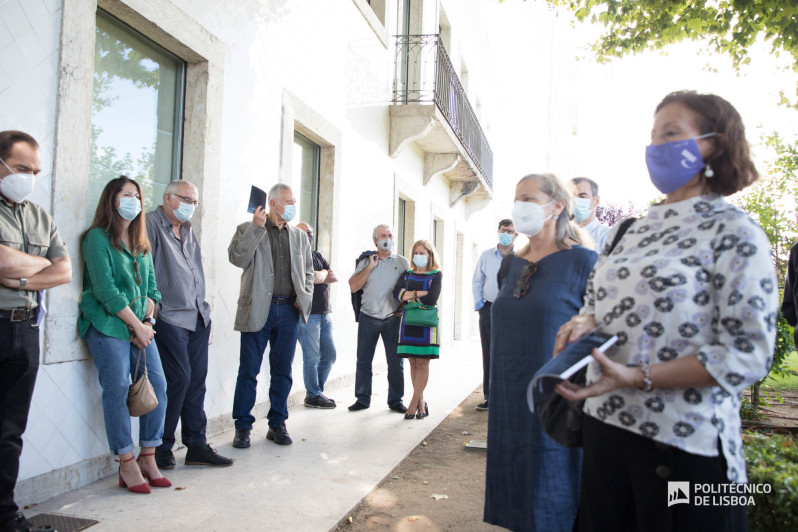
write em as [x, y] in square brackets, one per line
[276, 287]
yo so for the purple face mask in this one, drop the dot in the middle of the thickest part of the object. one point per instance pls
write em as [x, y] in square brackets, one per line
[672, 164]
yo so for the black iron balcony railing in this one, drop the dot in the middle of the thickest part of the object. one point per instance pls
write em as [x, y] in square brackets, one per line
[424, 73]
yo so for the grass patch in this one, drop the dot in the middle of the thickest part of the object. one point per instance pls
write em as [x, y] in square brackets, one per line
[788, 382]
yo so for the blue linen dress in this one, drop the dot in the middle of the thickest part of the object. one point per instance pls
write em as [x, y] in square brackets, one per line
[532, 482]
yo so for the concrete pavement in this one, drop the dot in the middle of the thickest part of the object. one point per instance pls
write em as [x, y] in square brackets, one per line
[337, 457]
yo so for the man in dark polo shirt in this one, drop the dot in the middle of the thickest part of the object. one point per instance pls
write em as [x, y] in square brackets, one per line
[183, 327]
[276, 289]
[315, 336]
[32, 258]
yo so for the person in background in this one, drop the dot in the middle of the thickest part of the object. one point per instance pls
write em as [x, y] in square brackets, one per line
[690, 290]
[586, 199]
[33, 257]
[376, 275]
[315, 336]
[485, 288]
[183, 327]
[276, 292]
[789, 306]
[532, 482]
[116, 319]
[419, 344]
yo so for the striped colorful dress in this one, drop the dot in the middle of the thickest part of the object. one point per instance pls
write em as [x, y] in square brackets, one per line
[416, 341]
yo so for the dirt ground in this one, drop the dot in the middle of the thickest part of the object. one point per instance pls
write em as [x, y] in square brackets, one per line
[440, 466]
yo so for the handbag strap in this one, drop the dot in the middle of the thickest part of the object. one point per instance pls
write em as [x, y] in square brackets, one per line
[138, 359]
[622, 227]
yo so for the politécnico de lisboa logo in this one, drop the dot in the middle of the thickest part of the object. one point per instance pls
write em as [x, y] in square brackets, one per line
[678, 493]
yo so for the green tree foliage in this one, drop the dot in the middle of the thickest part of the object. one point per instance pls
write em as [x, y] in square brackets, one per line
[730, 27]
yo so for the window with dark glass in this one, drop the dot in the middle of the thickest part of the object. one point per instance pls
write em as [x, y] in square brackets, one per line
[306, 172]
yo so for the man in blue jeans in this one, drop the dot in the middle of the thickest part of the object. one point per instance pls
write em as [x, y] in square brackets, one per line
[276, 288]
[376, 276]
[315, 336]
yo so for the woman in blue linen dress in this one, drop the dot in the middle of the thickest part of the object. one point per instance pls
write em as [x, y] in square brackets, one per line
[532, 483]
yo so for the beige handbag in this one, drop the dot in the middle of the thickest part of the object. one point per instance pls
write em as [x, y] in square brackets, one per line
[141, 397]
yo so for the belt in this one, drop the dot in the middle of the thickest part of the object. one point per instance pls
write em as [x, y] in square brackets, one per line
[278, 300]
[18, 314]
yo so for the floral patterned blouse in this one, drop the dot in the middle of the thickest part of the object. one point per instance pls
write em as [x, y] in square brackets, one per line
[690, 278]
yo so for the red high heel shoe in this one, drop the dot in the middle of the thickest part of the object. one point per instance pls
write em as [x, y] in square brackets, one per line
[161, 482]
[139, 488]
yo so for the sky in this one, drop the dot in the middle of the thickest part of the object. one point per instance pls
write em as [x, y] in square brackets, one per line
[560, 111]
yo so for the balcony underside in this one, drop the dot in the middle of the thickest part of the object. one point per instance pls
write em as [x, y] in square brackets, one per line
[444, 155]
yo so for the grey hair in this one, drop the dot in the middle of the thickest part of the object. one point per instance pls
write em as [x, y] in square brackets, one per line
[593, 184]
[172, 186]
[376, 232]
[276, 191]
[565, 228]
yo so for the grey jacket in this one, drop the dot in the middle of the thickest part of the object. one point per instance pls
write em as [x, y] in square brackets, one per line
[250, 249]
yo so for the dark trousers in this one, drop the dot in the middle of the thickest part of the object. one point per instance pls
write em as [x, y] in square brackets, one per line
[280, 333]
[19, 362]
[369, 331]
[625, 485]
[184, 356]
[484, 336]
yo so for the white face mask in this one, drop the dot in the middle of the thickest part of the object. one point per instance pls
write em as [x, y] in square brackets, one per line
[385, 244]
[529, 217]
[17, 187]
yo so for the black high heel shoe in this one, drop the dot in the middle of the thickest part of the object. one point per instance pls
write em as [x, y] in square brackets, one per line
[409, 416]
[425, 413]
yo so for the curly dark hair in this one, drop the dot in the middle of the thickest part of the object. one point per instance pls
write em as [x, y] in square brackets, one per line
[730, 158]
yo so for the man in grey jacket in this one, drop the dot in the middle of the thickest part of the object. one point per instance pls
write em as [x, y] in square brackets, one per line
[276, 287]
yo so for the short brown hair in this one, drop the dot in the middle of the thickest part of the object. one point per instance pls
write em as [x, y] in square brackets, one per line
[730, 158]
[11, 137]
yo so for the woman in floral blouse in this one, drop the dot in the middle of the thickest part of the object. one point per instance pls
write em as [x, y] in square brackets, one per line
[690, 290]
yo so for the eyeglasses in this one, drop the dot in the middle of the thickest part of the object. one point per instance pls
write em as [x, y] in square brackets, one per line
[522, 284]
[187, 200]
[136, 272]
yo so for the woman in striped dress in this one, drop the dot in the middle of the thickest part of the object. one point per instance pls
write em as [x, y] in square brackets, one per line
[422, 284]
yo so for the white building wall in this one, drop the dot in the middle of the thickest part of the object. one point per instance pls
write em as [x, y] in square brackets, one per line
[325, 54]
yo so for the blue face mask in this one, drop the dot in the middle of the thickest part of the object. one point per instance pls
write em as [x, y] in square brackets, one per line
[289, 211]
[672, 164]
[420, 261]
[184, 211]
[129, 208]
[582, 209]
[505, 239]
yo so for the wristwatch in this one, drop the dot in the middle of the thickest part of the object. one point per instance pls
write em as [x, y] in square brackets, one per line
[22, 282]
[148, 319]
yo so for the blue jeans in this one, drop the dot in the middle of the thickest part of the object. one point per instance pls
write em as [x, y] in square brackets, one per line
[280, 331]
[369, 331]
[318, 352]
[116, 361]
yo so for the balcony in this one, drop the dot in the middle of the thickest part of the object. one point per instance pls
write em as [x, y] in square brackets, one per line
[431, 109]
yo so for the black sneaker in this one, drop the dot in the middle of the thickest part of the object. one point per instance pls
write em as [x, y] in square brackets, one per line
[279, 435]
[164, 458]
[18, 523]
[357, 405]
[482, 406]
[241, 441]
[319, 402]
[206, 455]
[398, 407]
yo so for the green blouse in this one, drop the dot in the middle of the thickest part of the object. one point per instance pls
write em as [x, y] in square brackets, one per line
[110, 283]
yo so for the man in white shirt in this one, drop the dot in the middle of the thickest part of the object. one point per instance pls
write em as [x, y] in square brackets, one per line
[586, 199]
[485, 286]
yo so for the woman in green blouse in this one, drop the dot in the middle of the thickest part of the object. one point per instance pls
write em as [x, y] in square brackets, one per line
[116, 308]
